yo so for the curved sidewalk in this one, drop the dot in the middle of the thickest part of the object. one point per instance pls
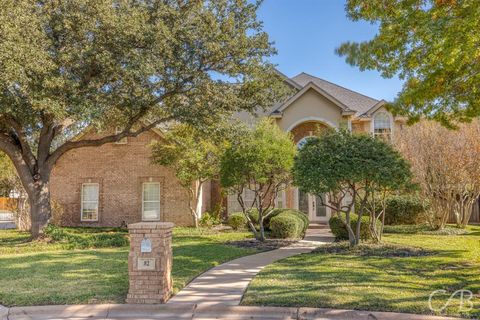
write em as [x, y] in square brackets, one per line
[226, 283]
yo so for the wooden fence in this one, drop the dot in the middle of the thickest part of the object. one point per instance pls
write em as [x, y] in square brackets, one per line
[8, 204]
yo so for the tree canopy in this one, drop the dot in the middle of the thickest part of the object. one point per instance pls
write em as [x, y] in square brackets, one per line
[194, 155]
[68, 65]
[260, 160]
[349, 168]
[433, 45]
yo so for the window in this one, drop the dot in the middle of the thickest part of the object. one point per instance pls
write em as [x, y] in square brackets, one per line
[280, 200]
[234, 206]
[90, 202]
[302, 142]
[151, 201]
[382, 126]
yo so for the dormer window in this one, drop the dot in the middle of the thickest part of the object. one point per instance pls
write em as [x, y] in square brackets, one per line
[382, 126]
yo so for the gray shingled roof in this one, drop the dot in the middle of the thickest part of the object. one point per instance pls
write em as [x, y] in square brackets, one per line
[353, 100]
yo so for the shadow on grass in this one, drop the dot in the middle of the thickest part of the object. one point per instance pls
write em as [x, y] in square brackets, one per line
[380, 278]
[97, 276]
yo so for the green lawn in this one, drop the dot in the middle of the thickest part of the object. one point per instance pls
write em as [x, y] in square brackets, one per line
[38, 273]
[377, 278]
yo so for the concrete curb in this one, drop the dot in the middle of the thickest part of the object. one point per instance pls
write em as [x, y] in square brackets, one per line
[3, 313]
[198, 312]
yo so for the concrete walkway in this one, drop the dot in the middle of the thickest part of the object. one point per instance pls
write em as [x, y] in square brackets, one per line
[226, 283]
[197, 312]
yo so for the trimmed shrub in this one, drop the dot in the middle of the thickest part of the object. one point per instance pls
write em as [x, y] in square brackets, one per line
[286, 226]
[237, 220]
[282, 227]
[304, 219]
[405, 209]
[209, 220]
[340, 231]
[266, 221]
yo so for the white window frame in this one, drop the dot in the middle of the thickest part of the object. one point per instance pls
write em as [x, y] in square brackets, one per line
[82, 201]
[281, 195]
[372, 126]
[159, 201]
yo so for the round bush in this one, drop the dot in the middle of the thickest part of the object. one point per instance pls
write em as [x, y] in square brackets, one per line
[275, 212]
[404, 209]
[303, 217]
[340, 231]
[286, 226]
[237, 220]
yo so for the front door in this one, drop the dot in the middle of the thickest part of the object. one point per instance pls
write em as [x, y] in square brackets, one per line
[312, 206]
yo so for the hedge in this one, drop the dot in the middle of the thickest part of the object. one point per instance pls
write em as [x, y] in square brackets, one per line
[404, 209]
[340, 231]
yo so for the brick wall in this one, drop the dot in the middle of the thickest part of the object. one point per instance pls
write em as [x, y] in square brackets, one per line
[306, 129]
[361, 127]
[120, 170]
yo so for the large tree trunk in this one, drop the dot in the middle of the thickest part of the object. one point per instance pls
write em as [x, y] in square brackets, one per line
[40, 208]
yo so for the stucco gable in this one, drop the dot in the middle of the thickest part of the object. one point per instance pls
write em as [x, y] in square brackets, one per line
[312, 86]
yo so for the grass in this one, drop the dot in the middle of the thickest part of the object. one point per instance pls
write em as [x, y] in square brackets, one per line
[398, 276]
[59, 272]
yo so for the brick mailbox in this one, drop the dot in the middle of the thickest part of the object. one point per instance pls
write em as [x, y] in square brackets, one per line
[150, 262]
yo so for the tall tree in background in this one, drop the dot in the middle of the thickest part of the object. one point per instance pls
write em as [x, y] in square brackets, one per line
[433, 45]
[446, 165]
[68, 65]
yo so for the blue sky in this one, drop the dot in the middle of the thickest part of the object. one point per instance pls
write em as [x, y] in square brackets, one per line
[306, 33]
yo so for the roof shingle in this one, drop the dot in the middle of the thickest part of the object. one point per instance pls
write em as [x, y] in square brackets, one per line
[353, 100]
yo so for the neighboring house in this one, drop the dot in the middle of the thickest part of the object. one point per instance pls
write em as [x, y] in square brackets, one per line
[116, 184]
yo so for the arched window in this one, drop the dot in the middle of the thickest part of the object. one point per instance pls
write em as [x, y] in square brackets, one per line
[302, 142]
[382, 126]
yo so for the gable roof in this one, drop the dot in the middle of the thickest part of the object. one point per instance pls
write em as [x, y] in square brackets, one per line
[351, 101]
[313, 86]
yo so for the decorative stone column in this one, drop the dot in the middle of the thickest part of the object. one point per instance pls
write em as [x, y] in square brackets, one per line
[150, 262]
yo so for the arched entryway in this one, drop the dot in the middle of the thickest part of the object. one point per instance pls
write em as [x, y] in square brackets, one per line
[311, 205]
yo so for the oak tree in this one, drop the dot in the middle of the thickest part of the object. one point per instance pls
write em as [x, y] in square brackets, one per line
[70, 65]
[433, 45]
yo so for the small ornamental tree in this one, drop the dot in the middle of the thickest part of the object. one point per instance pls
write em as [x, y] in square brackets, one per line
[348, 168]
[260, 161]
[194, 155]
[124, 65]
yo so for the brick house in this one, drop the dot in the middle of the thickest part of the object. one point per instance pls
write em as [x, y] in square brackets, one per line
[116, 184]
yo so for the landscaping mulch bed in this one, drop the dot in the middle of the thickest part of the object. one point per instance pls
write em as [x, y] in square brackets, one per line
[269, 244]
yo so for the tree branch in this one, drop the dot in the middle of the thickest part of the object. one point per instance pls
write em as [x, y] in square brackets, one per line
[70, 145]
[23, 144]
